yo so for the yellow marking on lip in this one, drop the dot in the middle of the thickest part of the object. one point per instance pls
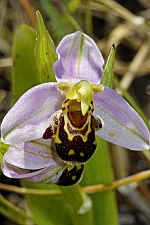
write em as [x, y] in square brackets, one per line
[70, 135]
[95, 142]
[74, 177]
[57, 139]
[71, 152]
[69, 167]
[82, 154]
[68, 123]
[79, 167]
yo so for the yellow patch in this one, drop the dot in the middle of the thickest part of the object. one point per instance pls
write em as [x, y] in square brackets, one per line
[95, 142]
[73, 177]
[68, 124]
[69, 167]
[79, 167]
[82, 154]
[112, 133]
[71, 152]
[57, 139]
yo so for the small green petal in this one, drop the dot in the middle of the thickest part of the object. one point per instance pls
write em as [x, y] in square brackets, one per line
[107, 79]
[84, 107]
[83, 92]
[45, 54]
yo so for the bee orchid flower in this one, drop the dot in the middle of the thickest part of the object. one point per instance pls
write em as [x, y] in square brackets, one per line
[51, 129]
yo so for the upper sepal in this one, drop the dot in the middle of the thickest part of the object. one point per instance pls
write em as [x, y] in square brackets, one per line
[122, 125]
[78, 59]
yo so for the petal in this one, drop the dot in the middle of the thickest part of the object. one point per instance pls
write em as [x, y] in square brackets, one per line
[28, 118]
[31, 155]
[50, 174]
[122, 125]
[78, 59]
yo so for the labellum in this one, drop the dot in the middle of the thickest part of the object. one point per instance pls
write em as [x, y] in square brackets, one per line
[73, 133]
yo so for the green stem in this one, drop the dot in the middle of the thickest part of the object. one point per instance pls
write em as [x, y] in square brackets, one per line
[5, 212]
[88, 189]
[80, 204]
[12, 212]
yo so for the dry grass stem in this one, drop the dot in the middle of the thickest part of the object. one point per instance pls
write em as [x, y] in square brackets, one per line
[88, 189]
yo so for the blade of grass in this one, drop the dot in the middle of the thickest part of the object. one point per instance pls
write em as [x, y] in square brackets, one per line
[23, 73]
[55, 17]
[14, 213]
[122, 11]
[62, 21]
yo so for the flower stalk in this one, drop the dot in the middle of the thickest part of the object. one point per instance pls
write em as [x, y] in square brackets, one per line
[91, 189]
[14, 213]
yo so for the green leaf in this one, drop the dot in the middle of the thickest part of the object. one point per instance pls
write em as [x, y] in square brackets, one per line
[80, 204]
[73, 5]
[48, 210]
[45, 54]
[98, 170]
[23, 73]
[73, 207]
[107, 79]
